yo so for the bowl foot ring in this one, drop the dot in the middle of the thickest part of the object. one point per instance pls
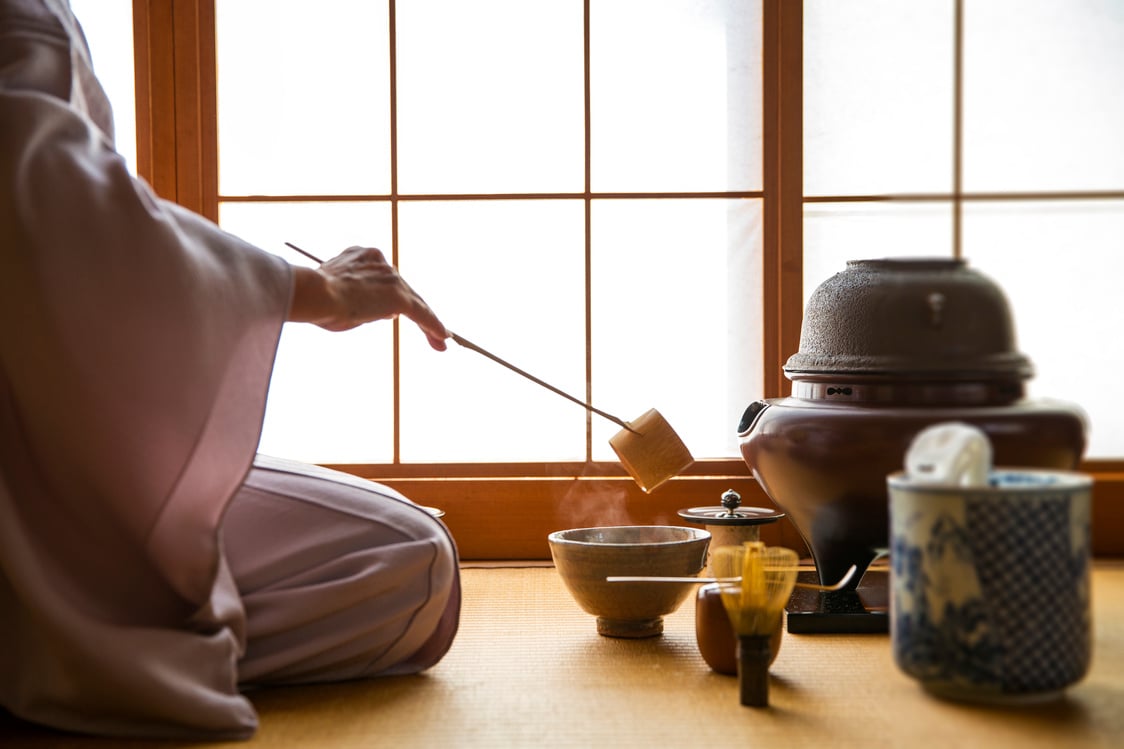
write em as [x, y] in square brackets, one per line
[630, 628]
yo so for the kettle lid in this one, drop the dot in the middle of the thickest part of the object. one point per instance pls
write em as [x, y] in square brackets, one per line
[912, 317]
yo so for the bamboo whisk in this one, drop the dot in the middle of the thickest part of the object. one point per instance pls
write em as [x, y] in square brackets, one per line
[755, 605]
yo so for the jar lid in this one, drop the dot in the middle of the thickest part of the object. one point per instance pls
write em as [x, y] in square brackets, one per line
[718, 515]
[730, 512]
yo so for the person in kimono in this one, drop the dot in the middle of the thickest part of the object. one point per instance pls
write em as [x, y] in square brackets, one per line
[152, 566]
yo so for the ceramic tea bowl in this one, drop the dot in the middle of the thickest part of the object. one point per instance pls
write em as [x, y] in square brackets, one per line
[585, 557]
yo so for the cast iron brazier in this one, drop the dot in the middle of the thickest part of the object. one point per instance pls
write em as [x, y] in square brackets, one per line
[888, 347]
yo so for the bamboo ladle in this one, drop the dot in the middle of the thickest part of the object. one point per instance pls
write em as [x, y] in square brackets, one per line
[648, 447]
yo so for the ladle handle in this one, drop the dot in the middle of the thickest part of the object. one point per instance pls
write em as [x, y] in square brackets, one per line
[470, 345]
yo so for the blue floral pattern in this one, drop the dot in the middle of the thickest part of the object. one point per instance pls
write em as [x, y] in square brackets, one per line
[990, 591]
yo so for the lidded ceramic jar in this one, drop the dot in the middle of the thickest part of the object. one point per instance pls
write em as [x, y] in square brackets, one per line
[888, 347]
[729, 523]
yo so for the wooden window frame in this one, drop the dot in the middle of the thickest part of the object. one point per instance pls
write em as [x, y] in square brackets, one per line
[505, 511]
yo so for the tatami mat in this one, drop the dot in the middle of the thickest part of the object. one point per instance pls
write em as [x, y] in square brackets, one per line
[529, 670]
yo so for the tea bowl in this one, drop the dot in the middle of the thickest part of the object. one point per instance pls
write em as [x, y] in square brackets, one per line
[585, 557]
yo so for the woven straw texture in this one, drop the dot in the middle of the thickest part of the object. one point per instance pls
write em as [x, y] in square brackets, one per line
[529, 670]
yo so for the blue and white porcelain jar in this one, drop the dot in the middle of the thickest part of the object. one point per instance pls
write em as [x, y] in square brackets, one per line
[990, 596]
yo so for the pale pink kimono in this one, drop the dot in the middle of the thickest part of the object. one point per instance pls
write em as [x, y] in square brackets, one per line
[149, 565]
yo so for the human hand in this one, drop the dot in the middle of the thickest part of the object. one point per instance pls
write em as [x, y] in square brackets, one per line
[359, 286]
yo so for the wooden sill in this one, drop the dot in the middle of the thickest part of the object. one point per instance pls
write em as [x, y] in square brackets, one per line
[503, 517]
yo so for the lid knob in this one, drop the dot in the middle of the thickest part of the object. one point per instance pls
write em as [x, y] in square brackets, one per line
[731, 500]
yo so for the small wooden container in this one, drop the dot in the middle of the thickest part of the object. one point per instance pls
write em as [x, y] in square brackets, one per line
[715, 635]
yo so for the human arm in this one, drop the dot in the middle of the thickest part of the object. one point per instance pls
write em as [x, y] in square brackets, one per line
[359, 286]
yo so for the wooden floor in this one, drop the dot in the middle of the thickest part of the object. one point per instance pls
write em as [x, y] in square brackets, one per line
[529, 670]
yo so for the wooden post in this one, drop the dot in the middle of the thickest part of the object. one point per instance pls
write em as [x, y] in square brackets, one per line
[177, 142]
